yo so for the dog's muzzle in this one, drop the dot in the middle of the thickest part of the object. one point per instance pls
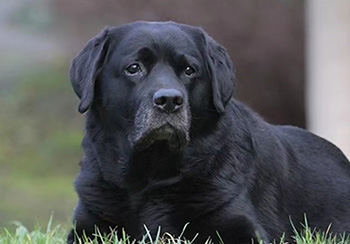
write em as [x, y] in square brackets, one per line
[152, 125]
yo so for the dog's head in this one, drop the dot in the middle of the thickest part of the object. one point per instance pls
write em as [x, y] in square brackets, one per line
[155, 81]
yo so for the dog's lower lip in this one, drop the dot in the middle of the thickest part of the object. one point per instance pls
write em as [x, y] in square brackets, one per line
[175, 138]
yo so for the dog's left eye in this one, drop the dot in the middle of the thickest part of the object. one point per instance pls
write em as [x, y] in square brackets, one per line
[189, 71]
[133, 69]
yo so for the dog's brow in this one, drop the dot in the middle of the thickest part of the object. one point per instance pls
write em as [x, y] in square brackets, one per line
[147, 54]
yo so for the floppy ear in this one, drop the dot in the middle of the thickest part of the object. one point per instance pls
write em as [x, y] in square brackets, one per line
[221, 71]
[86, 67]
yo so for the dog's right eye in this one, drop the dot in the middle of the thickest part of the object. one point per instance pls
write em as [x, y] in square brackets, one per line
[133, 69]
[189, 71]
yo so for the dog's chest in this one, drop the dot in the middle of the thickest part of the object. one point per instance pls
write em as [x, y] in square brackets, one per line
[172, 210]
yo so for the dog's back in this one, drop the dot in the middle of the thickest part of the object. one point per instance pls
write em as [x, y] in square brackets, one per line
[318, 180]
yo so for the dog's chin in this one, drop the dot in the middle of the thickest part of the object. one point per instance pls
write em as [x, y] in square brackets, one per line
[173, 138]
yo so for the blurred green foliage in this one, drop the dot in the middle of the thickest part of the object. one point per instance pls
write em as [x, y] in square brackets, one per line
[40, 137]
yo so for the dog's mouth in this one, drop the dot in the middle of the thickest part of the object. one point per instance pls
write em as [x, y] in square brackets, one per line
[151, 126]
[174, 138]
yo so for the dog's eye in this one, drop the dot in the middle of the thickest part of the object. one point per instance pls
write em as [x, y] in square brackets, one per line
[189, 71]
[133, 69]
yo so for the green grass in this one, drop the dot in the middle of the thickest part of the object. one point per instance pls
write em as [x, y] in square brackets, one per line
[40, 137]
[57, 235]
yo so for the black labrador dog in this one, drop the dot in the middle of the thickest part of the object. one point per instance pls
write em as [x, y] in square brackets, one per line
[167, 144]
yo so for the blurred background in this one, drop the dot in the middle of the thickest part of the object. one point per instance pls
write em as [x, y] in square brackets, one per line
[292, 59]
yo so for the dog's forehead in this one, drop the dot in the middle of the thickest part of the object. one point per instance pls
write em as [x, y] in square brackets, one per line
[158, 36]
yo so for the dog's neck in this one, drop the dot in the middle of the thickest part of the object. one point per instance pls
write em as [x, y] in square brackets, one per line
[117, 160]
[120, 161]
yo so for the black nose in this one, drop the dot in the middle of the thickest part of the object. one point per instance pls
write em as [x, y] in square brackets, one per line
[168, 100]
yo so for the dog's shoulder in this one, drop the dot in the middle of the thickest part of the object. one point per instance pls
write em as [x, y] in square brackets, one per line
[287, 144]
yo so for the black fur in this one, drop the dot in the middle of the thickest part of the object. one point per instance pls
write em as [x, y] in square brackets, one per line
[214, 163]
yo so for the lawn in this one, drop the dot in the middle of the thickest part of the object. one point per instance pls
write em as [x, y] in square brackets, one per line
[40, 137]
[53, 234]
